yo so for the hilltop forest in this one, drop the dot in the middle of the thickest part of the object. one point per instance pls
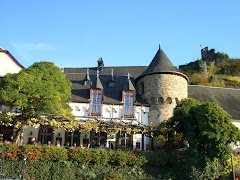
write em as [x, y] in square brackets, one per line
[220, 72]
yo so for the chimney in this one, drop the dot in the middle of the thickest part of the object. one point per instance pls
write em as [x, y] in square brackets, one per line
[100, 64]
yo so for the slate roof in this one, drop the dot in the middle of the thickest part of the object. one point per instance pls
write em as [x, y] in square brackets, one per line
[111, 95]
[226, 98]
[97, 84]
[161, 64]
[135, 71]
[129, 85]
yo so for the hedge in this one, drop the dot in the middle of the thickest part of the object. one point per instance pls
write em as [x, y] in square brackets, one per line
[50, 162]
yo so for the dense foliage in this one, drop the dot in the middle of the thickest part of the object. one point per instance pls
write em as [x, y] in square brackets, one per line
[207, 128]
[39, 95]
[38, 92]
[205, 132]
[50, 162]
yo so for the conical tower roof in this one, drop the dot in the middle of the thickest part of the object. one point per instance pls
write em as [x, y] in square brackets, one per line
[161, 65]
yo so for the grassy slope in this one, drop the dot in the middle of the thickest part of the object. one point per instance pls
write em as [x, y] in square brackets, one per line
[225, 73]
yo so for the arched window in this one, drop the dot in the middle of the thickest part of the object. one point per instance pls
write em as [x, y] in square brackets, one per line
[169, 100]
[142, 88]
[160, 100]
[77, 108]
[177, 101]
[153, 100]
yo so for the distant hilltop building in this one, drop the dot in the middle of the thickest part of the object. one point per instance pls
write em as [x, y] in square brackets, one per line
[210, 55]
[130, 95]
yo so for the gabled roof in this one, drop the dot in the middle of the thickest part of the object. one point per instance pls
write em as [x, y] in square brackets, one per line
[87, 77]
[111, 95]
[97, 84]
[7, 52]
[228, 99]
[161, 65]
[118, 70]
[129, 85]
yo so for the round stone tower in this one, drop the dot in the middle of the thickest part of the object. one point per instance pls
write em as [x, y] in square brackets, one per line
[162, 86]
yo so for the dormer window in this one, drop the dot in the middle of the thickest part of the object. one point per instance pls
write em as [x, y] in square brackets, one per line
[96, 101]
[111, 83]
[128, 99]
[87, 80]
[111, 80]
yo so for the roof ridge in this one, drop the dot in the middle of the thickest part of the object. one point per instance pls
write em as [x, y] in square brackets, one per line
[104, 67]
[214, 87]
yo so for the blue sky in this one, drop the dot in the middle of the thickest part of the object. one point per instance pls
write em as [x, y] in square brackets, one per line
[77, 33]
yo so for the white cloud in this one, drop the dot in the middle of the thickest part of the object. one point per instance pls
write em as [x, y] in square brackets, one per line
[33, 46]
[28, 53]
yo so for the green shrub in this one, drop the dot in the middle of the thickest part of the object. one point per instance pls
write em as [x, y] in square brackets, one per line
[58, 163]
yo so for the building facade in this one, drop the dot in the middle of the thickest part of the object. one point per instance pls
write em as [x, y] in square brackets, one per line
[133, 96]
[8, 63]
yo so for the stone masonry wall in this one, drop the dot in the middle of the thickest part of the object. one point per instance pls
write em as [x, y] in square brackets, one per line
[162, 92]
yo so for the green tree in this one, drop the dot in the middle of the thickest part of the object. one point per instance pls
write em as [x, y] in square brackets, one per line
[36, 93]
[207, 128]
[197, 79]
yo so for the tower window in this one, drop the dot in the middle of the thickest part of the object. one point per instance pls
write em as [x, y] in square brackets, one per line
[160, 100]
[128, 102]
[177, 101]
[142, 88]
[169, 100]
[153, 100]
[96, 101]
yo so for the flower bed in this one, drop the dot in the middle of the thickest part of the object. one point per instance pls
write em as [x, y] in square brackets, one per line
[51, 160]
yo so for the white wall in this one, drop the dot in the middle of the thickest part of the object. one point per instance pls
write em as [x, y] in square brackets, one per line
[112, 111]
[30, 132]
[80, 109]
[59, 133]
[8, 65]
[108, 111]
[237, 124]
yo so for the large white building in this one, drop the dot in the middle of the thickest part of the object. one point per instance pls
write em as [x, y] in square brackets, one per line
[8, 64]
[130, 95]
